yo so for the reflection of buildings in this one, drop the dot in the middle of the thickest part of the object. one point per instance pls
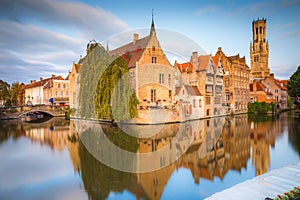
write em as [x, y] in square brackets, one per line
[263, 133]
[56, 133]
[208, 148]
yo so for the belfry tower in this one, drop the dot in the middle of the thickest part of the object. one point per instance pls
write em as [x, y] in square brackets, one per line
[259, 50]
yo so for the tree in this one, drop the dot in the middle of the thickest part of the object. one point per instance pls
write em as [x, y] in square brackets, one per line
[294, 86]
[4, 92]
[15, 93]
[115, 99]
[93, 66]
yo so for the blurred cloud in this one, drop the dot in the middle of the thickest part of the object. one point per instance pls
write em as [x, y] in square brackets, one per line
[44, 37]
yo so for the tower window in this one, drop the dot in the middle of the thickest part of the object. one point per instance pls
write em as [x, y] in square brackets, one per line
[256, 30]
[260, 28]
[154, 60]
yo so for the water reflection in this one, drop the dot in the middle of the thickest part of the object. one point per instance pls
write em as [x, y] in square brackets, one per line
[208, 148]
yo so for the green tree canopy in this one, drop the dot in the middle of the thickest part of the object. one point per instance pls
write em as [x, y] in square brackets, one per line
[15, 93]
[294, 85]
[92, 68]
[4, 91]
[115, 99]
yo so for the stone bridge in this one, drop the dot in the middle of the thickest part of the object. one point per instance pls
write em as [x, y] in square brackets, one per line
[19, 111]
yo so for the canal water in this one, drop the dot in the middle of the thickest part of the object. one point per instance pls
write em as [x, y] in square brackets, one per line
[79, 159]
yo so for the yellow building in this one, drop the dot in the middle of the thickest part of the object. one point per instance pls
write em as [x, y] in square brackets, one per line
[259, 50]
[236, 81]
[152, 75]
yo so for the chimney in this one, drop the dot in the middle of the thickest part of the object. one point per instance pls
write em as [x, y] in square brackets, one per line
[34, 81]
[31, 81]
[272, 75]
[194, 59]
[53, 76]
[135, 37]
[219, 48]
[41, 78]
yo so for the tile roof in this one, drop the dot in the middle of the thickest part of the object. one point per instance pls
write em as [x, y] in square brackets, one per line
[203, 61]
[185, 67]
[132, 51]
[192, 90]
[216, 59]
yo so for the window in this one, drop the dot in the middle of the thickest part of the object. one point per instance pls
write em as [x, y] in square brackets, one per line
[170, 94]
[61, 93]
[256, 30]
[153, 60]
[207, 100]
[176, 81]
[161, 78]
[64, 86]
[209, 88]
[194, 103]
[183, 92]
[260, 28]
[58, 86]
[67, 93]
[176, 74]
[153, 95]
[169, 79]
[56, 93]
[207, 114]
[153, 48]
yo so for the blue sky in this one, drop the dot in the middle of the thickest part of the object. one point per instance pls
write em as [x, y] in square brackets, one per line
[42, 37]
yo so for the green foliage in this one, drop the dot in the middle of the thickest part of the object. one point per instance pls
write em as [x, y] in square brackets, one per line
[15, 93]
[115, 99]
[294, 85]
[92, 68]
[261, 107]
[4, 92]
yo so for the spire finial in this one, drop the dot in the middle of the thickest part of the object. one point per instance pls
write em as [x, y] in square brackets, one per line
[152, 24]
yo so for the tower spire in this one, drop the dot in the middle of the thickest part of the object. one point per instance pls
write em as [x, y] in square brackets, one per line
[152, 24]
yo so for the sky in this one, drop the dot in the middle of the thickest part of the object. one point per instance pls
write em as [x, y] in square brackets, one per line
[43, 37]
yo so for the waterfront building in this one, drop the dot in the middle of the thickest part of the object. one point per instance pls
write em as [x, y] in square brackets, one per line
[74, 82]
[259, 50]
[54, 89]
[236, 80]
[152, 76]
[269, 90]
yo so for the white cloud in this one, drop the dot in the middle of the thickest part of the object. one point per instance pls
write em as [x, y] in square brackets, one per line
[45, 36]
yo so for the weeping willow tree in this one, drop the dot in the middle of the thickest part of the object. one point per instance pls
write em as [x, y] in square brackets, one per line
[115, 99]
[93, 66]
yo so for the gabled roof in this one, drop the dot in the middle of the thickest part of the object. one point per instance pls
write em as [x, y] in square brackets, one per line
[192, 90]
[132, 51]
[280, 84]
[185, 67]
[203, 61]
[216, 59]
[262, 87]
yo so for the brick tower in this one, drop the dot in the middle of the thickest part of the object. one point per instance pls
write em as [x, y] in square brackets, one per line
[259, 50]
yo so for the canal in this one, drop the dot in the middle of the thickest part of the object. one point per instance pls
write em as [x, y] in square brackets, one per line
[79, 159]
